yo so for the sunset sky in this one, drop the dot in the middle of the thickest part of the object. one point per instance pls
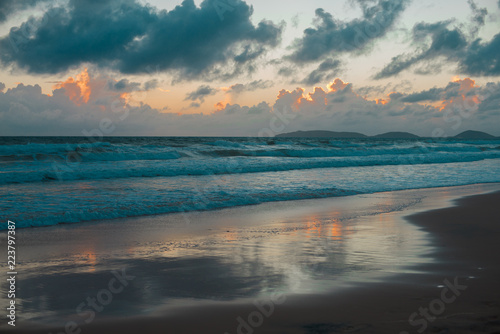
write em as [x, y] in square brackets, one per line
[248, 68]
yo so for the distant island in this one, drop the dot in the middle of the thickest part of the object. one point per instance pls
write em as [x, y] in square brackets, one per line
[470, 134]
[475, 135]
[396, 135]
[322, 134]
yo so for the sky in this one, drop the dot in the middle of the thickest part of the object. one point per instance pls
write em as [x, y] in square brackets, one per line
[248, 68]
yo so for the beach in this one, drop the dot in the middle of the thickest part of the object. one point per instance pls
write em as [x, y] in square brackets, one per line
[364, 263]
[245, 167]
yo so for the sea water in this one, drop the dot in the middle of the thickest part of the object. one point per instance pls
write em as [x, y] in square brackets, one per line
[53, 180]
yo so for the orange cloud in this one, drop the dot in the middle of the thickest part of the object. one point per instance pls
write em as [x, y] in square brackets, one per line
[467, 84]
[462, 100]
[298, 98]
[125, 96]
[220, 105]
[336, 85]
[78, 90]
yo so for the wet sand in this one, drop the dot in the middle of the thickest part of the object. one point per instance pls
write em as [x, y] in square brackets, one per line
[456, 292]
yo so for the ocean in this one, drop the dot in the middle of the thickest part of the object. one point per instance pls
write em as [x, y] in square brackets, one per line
[53, 180]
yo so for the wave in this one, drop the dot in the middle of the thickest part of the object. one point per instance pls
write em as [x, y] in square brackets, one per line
[171, 149]
[185, 206]
[64, 170]
[43, 204]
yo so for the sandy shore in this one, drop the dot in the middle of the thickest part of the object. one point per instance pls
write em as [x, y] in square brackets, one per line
[457, 292]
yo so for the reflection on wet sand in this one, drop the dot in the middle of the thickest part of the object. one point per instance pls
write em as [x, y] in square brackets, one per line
[298, 253]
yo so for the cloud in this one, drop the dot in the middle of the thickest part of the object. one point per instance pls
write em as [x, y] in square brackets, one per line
[443, 42]
[249, 87]
[200, 93]
[460, 88]
[8, 7]
[327, 69]
[475, 58]
[376, 90]
[437, 41]
[286, 71]
[76, 104]
[193, 42]
[295, 20]
[124, 85]
[25, 110]
[478, 16]
[151, 84]
[482, 58]
[2, 86]
[79, 89]
[333, 37]
[433, 94]
[491, 98]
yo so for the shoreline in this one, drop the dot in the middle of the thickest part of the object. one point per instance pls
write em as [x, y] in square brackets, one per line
[236, 207]
[463, 255]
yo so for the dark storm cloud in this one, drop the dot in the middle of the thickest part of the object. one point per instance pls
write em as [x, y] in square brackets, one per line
[443, 42]
[132, 37]
[327, 69]
[88, 31]
[331, 37]
[482, 58]
[8, 7]
[200, 93]
[473, 56]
